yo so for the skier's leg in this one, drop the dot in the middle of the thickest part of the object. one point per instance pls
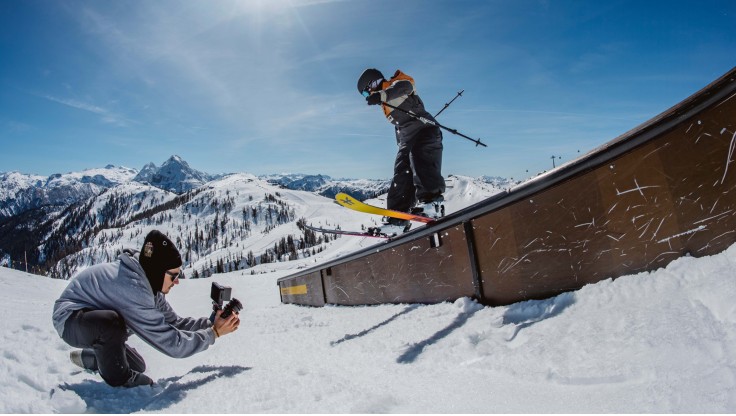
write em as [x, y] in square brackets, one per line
[427, 158]
[105, 333]
[401, 193]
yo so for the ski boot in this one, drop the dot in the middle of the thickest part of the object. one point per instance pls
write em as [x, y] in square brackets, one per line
[434, 208]
[391, 228]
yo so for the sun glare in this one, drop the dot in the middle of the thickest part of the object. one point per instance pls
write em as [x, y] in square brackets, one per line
[265, 6]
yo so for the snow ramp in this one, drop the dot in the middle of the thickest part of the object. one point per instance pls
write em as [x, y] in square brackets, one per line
[663, 190]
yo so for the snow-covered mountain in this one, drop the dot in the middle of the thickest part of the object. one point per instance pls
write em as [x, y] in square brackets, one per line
[63, 223]
[232, 223]
[174, 175]
[20, 192]
[329, 187]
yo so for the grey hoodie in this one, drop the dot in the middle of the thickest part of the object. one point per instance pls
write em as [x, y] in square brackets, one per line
[122, 286]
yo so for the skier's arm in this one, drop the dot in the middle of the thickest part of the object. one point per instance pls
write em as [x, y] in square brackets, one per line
[398, 89]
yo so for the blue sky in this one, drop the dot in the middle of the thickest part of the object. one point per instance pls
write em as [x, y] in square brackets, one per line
[269, 86]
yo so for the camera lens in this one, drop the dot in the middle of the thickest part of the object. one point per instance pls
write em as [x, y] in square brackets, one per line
[233, 306]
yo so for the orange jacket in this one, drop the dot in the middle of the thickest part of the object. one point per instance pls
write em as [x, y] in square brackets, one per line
[400, 92]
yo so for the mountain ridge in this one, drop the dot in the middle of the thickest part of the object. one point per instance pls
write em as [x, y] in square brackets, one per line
[82, 218]
[20, 192]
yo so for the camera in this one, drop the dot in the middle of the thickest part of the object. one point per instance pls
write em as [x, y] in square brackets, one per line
[221, 294]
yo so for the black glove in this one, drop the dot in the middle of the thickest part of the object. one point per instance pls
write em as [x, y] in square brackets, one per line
[373, 99]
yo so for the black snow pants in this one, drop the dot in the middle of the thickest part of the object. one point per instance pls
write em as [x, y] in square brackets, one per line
[417, 170]
[105, 333]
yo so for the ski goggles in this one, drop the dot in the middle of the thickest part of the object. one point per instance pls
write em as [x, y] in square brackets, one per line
[372, 86]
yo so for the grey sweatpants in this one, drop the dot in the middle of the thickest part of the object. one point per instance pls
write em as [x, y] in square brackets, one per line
[105, 333]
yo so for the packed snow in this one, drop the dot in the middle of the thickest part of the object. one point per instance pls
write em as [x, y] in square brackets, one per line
[660, 342]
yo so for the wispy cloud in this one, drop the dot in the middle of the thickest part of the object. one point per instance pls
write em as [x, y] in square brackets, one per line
[106, 115]
[15, 126]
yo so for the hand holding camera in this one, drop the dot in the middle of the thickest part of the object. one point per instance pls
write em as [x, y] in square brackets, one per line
[224, 317]
[224, 326]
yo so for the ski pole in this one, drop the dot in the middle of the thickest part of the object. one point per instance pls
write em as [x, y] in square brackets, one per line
[436, 124]
[459, 94]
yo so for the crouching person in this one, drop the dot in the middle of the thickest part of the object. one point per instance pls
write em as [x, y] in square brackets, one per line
[103, 304]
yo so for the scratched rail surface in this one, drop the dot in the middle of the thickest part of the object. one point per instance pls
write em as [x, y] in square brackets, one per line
[660, 191]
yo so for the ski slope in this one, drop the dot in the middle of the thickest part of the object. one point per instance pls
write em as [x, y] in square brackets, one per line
[660, 342]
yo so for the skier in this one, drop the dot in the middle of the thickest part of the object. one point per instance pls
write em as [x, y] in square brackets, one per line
[417, 185]
[103, 303]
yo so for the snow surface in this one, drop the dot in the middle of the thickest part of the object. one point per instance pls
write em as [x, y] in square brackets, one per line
[660, 342]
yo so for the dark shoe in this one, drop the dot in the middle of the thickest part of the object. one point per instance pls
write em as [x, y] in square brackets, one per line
[84, 358]
[137, 380]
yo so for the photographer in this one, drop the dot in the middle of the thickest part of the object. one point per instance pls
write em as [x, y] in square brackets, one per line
[103, 303]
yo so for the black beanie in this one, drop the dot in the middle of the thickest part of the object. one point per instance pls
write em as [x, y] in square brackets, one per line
[157, 256]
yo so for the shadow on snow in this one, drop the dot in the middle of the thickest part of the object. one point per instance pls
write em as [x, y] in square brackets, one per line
[102, 398]
[348, 337]
[521, 315]
[414, 350]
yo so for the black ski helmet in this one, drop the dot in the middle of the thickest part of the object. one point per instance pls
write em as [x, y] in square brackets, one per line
[368, 76]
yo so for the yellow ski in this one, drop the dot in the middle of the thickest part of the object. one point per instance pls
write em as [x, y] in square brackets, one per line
[349, 202]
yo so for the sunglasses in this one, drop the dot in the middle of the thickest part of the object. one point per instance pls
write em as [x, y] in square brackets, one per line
[175, 276]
